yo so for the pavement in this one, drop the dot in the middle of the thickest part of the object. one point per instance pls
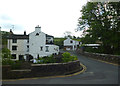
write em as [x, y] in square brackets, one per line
[97, 72]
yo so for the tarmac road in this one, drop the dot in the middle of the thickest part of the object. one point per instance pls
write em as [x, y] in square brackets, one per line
[97, 73]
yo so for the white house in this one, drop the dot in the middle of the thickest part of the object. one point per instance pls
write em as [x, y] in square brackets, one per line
[70, 44]
[36, 44]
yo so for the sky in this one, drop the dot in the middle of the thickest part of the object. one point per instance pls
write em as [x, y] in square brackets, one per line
[54, 16]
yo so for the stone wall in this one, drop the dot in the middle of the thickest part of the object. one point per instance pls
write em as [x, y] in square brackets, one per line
[55, 68]
[38, 70]
[105, 57]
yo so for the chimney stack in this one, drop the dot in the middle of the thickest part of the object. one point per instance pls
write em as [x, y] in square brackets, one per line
[24, 32]
[11, 31]
[38, 28]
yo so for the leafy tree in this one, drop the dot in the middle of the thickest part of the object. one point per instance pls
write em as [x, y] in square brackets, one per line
[4, 38]
[74, 37]
[6, 53]
[102, 21]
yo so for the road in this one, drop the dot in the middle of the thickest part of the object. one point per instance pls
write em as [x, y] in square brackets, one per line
[97, 73]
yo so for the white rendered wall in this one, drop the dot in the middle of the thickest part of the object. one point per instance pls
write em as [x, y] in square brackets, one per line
[68, 43]
[21, 47]
[35, 42]
[74, 43]
[53, 49]
[50, 39]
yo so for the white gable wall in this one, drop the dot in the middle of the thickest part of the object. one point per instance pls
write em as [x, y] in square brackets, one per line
[35, 42]
[68, 43]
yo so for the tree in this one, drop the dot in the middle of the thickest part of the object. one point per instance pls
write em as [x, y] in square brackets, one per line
[6, 53]
[4, 38]
[74, 37]
[102, 21]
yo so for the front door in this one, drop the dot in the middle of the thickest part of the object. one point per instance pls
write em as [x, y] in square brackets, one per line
[21, 57]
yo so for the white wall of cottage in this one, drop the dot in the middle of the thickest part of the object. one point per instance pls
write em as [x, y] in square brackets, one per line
[74, 43]
[36, 42]
[21, 47]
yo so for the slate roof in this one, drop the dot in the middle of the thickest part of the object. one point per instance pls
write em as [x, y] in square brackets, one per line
[16, 36]
[49, 35]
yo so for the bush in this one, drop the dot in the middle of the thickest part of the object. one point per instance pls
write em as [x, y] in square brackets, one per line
[47, 59]
[7, 61]
[67, 57]
[16, 65]
[13, 64]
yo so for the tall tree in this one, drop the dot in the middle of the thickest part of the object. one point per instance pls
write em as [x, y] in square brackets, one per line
[103, 22]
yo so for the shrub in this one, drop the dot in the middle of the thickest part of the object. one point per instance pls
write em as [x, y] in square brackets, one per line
[7, 61]
[67, 57]
[13, 64]
[16, 65]
[47, 59]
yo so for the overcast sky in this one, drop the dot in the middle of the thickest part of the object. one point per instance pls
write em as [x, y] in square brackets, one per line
[54, 16]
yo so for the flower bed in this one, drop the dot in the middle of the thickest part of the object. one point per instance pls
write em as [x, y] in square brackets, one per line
[61, 58]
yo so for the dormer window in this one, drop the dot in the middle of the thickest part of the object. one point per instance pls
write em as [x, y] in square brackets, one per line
[37, 34]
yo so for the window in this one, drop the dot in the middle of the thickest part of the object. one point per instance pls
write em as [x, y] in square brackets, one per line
[27, 48]
[41, 48]
[47, 48]
[27, 40]
[21, 57]
[14, 41]
[14, 47]
[71, 41]
[13, 56]
[38, 56]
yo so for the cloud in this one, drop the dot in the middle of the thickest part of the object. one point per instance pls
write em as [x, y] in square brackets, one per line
[7, 23]
[54, 16]
[5, 18]
[15, 27]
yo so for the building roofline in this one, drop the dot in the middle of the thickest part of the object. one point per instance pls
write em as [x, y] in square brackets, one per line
[17, 36]
[49, 35]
